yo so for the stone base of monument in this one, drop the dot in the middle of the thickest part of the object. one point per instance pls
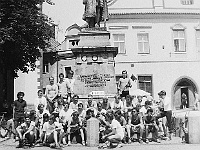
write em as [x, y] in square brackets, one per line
[187, 123]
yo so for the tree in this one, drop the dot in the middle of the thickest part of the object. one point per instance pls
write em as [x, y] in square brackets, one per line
[24, 31]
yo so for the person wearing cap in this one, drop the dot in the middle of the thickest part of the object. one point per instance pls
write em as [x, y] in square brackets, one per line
[124, 84]
[165, 110]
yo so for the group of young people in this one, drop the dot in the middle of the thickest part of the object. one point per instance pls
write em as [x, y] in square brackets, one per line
[60, 115]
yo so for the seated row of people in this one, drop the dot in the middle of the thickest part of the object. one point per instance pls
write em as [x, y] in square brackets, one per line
[69, 119]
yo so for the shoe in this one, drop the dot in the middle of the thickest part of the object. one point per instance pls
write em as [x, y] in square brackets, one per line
[147, 141]
[83, 143]
[129, 141]
[64, 141]
[19, 146]
[52, 145]
[140, 141]
[119, 145]
[158, 140]
[69, 143]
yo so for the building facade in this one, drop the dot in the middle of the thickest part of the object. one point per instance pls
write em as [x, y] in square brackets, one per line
[159, 42]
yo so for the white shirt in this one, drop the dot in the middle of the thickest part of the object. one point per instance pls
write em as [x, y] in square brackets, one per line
[70, 85]
[38, 101]
[115, 105]
[167, 104]
[62, 89]
[26, 127]
[66, 114]
[50, 128]
[40, 115]
[119, 129]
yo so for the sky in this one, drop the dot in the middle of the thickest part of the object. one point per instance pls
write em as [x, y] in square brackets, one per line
[65, 13]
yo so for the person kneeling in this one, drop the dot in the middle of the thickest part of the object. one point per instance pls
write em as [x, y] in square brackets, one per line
[26, 133]
[117, 133]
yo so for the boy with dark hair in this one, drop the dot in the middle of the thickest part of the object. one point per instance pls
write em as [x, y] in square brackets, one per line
[135, 125]
[75, 128]
[19, 109]
[124, 84]
[150, 125]
[25, 132]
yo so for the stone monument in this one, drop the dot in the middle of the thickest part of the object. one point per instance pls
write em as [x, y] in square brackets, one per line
[94, 69]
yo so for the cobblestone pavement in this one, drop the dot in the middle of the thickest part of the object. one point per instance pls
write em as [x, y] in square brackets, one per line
[174, 144]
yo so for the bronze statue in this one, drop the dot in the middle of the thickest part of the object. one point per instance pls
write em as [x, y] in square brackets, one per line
[95, 12]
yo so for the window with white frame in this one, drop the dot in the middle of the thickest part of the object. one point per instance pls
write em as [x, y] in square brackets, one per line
[198, 39]
[119, 41]
[143, 43]
[187, 2]
[45, 67]
[179, 40]
[145, 83]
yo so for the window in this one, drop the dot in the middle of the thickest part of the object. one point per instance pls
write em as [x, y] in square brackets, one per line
[187, 2]
[145, 83]
[45, 67]
[143, 43]
[198, 39]
[119, 41]
[179, 40]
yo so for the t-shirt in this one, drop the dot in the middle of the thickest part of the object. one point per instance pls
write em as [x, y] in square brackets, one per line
[50, 128]
[40, 115]
[51, 91]
[38, 101]
[115, 105]
[66, 114]
[62, 89]
[19, 106]
[25, 126]
[70, 85]
[119, 129]
[73, 106]
[124, 84]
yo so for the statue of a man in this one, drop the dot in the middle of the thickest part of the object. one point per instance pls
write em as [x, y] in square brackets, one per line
[95, 12]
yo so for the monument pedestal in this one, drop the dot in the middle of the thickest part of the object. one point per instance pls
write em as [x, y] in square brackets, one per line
[94, 70]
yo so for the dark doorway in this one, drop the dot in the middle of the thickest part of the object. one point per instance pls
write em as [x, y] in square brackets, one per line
[185, 91]
[67, 69]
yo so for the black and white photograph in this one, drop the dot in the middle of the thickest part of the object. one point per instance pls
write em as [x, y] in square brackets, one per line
[100, 74]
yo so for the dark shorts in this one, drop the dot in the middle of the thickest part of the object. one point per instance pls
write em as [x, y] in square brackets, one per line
[124, 93]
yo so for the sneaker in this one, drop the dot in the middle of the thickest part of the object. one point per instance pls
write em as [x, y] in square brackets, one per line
[83, 143]
[158, 140]
[64, 141]
[147, 141]
[140, 141]
[69, 143]
[129, 141]
[119, 145]
[19, 146]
